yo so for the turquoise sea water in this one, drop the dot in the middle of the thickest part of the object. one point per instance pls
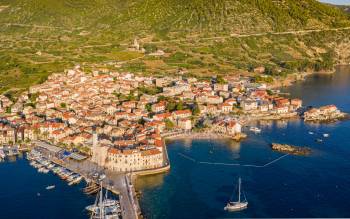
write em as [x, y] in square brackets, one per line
[294, 186]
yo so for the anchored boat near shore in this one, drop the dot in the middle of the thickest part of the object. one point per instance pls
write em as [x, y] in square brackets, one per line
[238, 205]
[255, 130]
[50, 187]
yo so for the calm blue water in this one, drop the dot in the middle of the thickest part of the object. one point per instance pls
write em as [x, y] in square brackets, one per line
[19, 187]
[313, 186]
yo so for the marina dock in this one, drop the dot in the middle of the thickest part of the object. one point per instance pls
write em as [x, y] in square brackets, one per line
[118, 183]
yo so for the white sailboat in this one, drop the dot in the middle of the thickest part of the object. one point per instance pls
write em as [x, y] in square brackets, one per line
[239, 205]
[104, 208]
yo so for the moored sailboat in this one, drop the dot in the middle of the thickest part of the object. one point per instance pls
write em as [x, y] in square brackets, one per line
[104, 208]
[239, 205]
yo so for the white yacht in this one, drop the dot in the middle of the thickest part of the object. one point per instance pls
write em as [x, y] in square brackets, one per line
[255, 129]
[76, 179]
[50, 187]
[43, 170]
[239, 205]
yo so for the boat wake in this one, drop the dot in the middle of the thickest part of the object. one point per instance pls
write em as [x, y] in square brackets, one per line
[232, 164]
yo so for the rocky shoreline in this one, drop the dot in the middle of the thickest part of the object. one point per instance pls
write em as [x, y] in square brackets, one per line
[328, 113]
[257, 117]
[298, 76]
[291, 149]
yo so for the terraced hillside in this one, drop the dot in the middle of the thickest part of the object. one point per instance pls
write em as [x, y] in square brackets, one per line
[38, 37]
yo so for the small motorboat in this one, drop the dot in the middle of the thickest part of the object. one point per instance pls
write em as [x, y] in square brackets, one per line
[50, 187]
[255, 129]
[50, 166]
[319, 140]
[76, 180]
[311, 133]
[325, 135]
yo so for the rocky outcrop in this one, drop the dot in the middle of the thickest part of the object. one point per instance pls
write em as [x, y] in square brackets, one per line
[290, 149]
[239, 136]
[324, 114]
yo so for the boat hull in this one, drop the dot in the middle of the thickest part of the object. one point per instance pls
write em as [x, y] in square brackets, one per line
[236, 206]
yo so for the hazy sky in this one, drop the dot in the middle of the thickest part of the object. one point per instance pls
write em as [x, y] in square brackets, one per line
[339, 2]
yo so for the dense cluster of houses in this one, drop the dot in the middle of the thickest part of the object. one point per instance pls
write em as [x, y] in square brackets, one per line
[223, 98]
[69, 108]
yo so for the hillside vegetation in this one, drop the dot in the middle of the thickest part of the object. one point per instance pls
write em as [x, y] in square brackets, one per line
[174, 15]
[38, 37]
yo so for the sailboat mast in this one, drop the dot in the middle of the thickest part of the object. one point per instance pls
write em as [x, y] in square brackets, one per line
[239, 189]
[101, 203]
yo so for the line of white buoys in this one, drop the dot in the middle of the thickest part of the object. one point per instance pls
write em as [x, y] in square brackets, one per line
[187, 157]
[232, 164]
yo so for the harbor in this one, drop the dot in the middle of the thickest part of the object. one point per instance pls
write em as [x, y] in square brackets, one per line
[120, 186]
[46, 165]
[75, 170]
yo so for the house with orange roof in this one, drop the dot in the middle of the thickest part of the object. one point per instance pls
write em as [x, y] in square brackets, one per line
[181, 114]
[159, 107]
[162, 116]
[225, 108]
[185, 124]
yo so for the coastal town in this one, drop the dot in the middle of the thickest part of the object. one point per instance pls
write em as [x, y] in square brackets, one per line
[119, 121]
[157, 109]
[131, 113]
